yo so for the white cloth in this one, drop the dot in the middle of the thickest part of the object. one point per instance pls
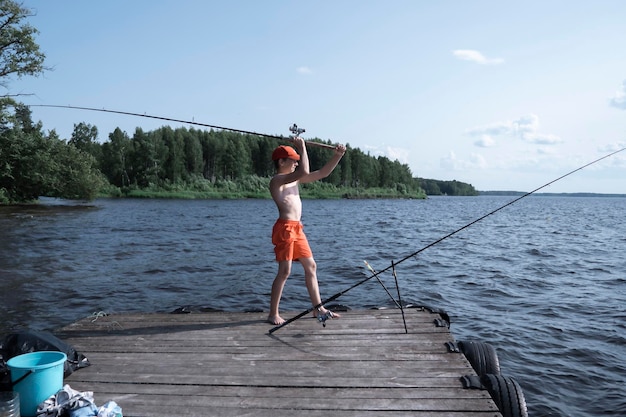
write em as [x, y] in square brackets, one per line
[66, 399]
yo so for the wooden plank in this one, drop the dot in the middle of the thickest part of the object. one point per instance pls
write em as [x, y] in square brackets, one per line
[227, 364]
[276, 392]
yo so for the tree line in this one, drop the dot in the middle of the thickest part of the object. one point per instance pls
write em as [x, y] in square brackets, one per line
[34, 163]
[440, 187]
[184, 155]
[174, 155]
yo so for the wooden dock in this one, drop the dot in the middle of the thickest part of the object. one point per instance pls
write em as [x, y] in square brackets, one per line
[227, 364]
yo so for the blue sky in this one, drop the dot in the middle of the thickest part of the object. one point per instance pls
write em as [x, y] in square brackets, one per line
[502, 95]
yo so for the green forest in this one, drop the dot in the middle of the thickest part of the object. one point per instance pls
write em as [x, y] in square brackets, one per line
[181, 163]
[168, 162]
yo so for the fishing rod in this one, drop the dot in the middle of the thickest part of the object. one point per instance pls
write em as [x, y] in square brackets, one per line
[395, 277]
[323, 317]
[399, 302]
[293, 129]
[412, 255]
[383, 285]
[320, 305]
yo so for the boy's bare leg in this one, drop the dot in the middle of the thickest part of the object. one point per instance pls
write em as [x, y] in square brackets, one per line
[312, 286]
[284, 269]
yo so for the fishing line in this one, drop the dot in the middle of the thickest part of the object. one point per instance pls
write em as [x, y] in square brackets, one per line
[383, 285]
[294, 128]
[398, 303]
[395, 277]
[430, 245]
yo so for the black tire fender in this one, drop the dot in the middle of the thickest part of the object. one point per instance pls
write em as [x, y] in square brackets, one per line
[507, 394]
[482, 357]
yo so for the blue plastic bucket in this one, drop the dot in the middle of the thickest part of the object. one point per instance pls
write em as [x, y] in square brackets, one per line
[36, 376]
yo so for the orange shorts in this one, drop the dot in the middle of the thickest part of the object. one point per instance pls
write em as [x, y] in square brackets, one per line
[289, 241]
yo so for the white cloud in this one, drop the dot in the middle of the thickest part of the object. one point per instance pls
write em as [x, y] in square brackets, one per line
[401, 154]
[545, 151]
[477, 161]
[611, 147]
[619, 157]
[619, 100]
[393, 153]
[525, 128]
[304, 70]
[476, 56]
[485, 141]
[526, 124]
[373, 150]
[541, 139]
[451, 162]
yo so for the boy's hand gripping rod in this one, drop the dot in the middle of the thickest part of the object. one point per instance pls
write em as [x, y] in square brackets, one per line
[297, 131]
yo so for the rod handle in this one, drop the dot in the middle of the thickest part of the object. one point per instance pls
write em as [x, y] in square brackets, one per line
[316, 144]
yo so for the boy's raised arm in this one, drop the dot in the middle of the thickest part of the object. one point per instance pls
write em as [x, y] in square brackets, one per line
[325, 171]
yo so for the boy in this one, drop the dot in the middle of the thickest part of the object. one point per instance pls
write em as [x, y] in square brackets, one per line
[287, 235]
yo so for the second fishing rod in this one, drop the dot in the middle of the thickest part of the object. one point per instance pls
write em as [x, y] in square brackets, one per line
[393, 265]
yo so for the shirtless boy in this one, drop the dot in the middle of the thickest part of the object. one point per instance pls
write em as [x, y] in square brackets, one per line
[287, 235]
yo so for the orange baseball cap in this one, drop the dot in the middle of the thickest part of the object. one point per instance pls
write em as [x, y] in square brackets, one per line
[285, 152]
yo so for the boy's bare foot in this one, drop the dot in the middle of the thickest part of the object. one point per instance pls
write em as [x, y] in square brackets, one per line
[276, 320]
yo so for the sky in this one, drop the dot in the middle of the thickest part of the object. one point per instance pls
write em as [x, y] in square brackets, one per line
[501, 95]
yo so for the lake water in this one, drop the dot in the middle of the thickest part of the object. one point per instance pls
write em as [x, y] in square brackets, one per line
[543, 280]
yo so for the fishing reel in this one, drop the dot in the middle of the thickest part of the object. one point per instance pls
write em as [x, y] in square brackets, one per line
[296, 130]
[322, 317]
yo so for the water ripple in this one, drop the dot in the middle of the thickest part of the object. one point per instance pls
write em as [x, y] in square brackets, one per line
[542, 281]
